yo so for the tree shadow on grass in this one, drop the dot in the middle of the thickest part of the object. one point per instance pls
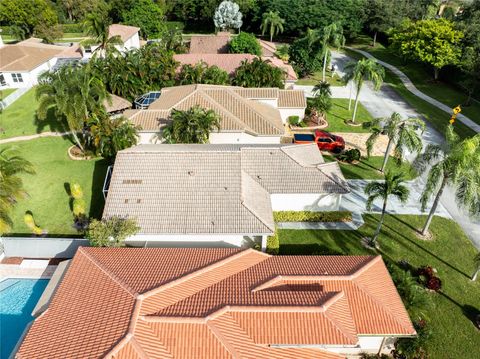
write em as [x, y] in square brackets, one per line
[471, 313]
[97, 202]
[51, 123]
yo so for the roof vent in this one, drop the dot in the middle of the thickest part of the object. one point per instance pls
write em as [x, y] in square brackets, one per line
[225, 188]
[259, 177]
[190, 173]
[139, 200]
[213, 223]
[126, 200]
[132, 181]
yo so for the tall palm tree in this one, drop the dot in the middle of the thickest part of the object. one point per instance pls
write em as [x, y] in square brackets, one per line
[332, 35]
[191, 126]
[364, 70]
[476, 262]
[11, 185]
[456, 163]
[272, 22]
[96, 26]
[73, 93]
[323, 98]
[401, 133]
[392, 186]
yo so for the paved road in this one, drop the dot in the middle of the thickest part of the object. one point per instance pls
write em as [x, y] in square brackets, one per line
[381, 104]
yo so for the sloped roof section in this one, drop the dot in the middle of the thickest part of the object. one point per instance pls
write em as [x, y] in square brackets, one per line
[116, 104]
[214, 303]
[210, 44]
[124, 31]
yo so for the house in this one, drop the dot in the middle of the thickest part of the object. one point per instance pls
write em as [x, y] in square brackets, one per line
[22, 63]
[218, 195]
[129, 36]
[116, 104]
[128, 303]
[248, 115]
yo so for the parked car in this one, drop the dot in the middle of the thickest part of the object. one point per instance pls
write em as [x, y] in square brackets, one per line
[324, 140]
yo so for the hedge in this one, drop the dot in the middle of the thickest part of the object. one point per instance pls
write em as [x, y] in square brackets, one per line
[273, 243]
[308, 216]
[72, 28]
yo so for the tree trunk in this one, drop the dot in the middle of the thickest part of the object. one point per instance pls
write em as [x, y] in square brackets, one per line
[379, 227]
[436, 71]
[469, 98]
[387, 155]
[324, 66]
[271, 35]
[356, 104]
[375, 39]
[435, 205]
[474, 277]
[350, 99]
[77, 140]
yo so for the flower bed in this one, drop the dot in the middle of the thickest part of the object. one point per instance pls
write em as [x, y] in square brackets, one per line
[309, 216]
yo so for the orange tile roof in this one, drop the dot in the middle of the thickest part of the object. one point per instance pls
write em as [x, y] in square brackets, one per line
[210, 44]
[214, 303]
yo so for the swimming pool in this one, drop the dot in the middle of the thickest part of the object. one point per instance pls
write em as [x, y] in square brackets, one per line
[18, 297]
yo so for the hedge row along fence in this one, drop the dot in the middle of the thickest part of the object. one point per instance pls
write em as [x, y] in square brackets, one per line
[308, 216]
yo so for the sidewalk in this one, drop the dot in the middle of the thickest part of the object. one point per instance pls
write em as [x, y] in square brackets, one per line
[32, 137]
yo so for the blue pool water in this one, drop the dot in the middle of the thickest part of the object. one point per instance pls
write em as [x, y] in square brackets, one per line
[18, 297]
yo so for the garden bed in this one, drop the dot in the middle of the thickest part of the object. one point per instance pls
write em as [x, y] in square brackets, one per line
[309, 216]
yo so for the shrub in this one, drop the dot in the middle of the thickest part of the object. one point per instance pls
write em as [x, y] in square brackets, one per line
[79, 207]
[428, 278]
[259, 73]
[30, 223]
[414, 348]
[273, 244]
[111, 232]
[294, 120]
[350, 156]
[308, 216]
[245, 43]
[76, 191]
[282, 52]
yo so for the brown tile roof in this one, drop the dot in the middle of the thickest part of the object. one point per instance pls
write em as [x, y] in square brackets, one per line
[287, 68]
[268, 48]
[116, 104]
[127, 303]
[125, 32]
[210, 44]
[291, 99]
[213, 189]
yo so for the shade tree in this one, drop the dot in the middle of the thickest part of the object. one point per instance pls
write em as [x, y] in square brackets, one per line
[228, 16]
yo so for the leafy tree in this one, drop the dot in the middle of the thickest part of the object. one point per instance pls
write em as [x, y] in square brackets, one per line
[74, 94]
[245, 43]
[401, 133]
[191, 126]
[435, 42]
[363, 70]
[282, 52]
[323, 98]
[171, 40]
[258, 73]
[332, 35]
[476, 262]
[306, 53]
[228, 16]
[48, 33]
[96, 26]
[273, 23]
[201, 73]
[111, 232]
[392, 186]
[12, 164]
[148, 16]
[110, 135]
[76, 10]
[457, 164]
[380, 16]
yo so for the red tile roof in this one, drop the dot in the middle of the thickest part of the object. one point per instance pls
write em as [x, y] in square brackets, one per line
[214, 303]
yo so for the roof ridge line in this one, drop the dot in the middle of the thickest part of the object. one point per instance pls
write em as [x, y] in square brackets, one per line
[115, 278]
[325, 164]
[335, 322]
[221, 338]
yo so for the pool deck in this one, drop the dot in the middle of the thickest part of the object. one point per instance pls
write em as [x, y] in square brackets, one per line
[34, 269]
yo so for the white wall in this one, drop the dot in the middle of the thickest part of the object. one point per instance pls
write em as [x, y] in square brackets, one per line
[29, 78]
[285, 113]
[271, 102]
[133, 42]
[147, 137]
[215, 137]
[305, 202]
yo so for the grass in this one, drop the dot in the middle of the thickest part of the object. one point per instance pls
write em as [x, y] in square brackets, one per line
[451, 311]
[5, 93]
[316, 77]
[368, 168]
[19, 119]
[48, 197]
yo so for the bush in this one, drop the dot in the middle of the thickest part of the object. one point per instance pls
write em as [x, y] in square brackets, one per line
[72, 28]
[414, 348]
[308, 216]
[111, 232]
[294, 120]
[427, 277]
[350, 156]
[245, 43]
[273, 244]
[79, 207]
[30, 223]
[76, 191]
[258, 73]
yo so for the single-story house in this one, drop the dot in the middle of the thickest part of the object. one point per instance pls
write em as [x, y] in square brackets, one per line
[191, 303]
[248, 115]
[128, 34]
[219, 195]
[22, 63]
[116, 104]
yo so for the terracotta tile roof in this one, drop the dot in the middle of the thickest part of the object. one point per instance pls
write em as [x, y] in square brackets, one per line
[268, 48]
[125, 32]
[208, 189]
[210, 44]
[116, 104]
[113, 302]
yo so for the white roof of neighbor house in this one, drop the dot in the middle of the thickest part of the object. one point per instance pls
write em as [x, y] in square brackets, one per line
[213, 189]
[125, 32]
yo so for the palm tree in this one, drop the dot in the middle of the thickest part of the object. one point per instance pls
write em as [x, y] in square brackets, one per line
[401, 133]
[73, 93]
[323, 98]
[476, 261]
[272, 22]
[364, 69]
[458, 164]
[392, 186]
[96, 26]
[191, 126]
[332, 35]
[11, 185]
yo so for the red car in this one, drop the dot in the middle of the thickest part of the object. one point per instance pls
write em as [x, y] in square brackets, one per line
[324, 140]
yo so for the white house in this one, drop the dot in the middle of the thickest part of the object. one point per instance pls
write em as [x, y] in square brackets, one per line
[218, 195]
[128, 34]
[248, 115]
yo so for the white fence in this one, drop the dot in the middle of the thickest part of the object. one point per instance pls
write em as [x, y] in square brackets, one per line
[32, 247]
[14, 96]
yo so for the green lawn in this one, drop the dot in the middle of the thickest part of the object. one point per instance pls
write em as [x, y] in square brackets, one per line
[19, 118]
[339, 113]
[48, 198]
[5, 93]
[450, 252]
[368, 168]
[316, 77]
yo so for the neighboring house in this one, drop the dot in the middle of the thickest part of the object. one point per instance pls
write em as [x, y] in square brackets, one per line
[116, 105]
[125, 303]
[248, 115]
[218, 195]
[23, 62]
[128, 34]
[213, 50]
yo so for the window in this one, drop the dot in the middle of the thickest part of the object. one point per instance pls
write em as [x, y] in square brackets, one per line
[2, 80]
[325, 140]
[17, 78]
